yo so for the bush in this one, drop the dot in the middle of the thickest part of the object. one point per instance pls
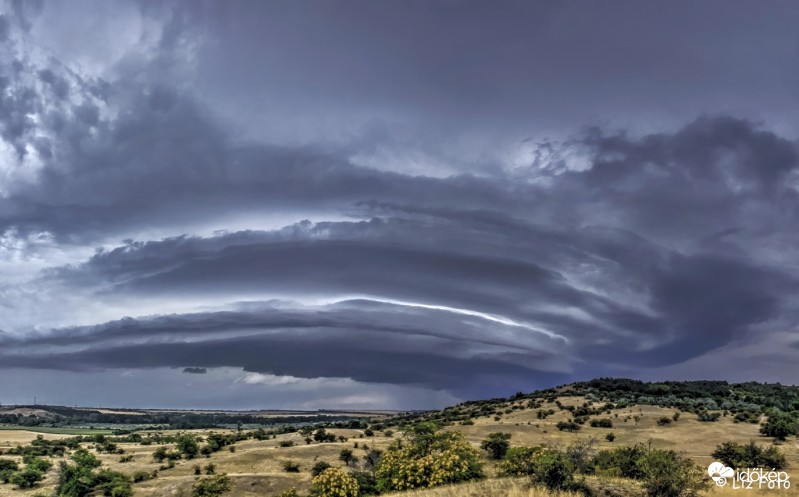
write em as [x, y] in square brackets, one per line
[664, 420]
[291, 467]
[285, 443]
[779, 425]
[610, 437]
[750, 455]
[668, 474]
[211, 486]
[496, 444]
[553, 470]
[567, 426]
[708, 416]
[602, 423]
[113, 483]
[346, 456]
[319, 467]
[519, 461]
[187, 445]
[620, 462]
[367, 483]
[334, 482]
[26, 478]
[140, 476]
[427, 457]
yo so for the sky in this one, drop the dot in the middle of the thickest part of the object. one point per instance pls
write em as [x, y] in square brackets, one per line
[396, 204]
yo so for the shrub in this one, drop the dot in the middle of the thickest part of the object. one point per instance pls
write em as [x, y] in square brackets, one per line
[367, 483]
[7, 468]
[496, 444]
[553, 469]
[113, 483]
[286, 443]
[708, 416]
[346, 456]
[319, 467]
[26, 478]
[427, 457]
[620, 462]
[610, 437]
[291, 467]
[321, 435]
[602, 423]
[334, 482]
[211, 486]
[567, 426]
[140, 476]
[668, 474]
[519, 461]
[750, 455]
[187, 445]
[289, 492]
[664, 420]
[779, 425]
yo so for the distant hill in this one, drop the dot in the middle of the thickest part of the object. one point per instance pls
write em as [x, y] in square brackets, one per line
[746, 402]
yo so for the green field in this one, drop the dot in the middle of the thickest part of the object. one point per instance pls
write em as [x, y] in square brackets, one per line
[58, 430]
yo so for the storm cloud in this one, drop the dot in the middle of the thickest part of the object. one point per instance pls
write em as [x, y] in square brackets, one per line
[490, 205]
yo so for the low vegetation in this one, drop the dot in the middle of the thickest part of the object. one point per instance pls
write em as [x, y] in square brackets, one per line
[602, 438]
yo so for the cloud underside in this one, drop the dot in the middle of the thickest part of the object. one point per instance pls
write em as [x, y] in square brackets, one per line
[611, 252]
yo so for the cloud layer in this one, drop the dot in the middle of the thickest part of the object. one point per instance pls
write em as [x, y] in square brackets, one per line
[151, 225]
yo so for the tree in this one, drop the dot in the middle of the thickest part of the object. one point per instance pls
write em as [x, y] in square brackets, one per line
[188, 446]
[496, 444]
[321, 435]
[346, 456]
[211, 486]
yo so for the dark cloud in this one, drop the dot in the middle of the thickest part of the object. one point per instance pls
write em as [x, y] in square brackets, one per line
[381, 173]
[195, 370]
[365, 341]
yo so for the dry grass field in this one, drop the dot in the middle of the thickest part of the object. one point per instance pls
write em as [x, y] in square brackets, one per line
[256, 467]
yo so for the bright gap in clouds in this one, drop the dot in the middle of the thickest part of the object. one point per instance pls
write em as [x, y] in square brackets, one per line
[466, 312]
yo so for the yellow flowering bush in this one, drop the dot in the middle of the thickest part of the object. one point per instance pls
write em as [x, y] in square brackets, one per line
[333, 482]
[427, 457]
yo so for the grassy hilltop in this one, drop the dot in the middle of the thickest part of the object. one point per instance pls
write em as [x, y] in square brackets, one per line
[602, 437]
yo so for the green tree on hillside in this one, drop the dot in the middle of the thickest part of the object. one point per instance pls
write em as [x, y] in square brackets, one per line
[496, 444]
